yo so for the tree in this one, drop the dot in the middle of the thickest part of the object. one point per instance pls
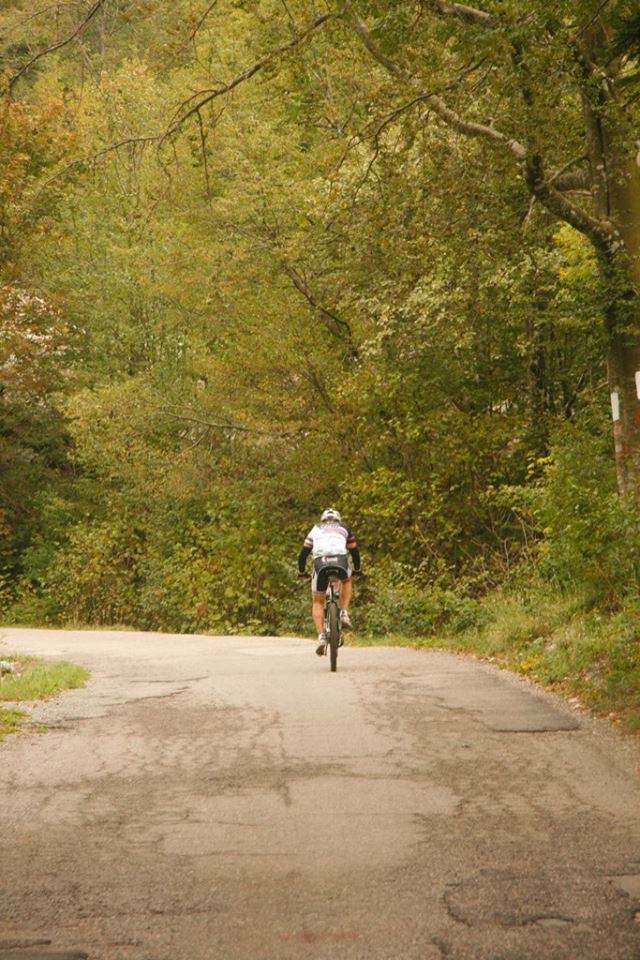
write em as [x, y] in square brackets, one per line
[555, 91]
[552, 90]
[291, 282]
[34, 337]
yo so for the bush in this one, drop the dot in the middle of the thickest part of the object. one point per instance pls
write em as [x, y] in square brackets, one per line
[592, 536]
[196, 571]
[394, 602]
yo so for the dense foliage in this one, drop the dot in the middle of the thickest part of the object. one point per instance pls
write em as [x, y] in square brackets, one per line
[230, 300]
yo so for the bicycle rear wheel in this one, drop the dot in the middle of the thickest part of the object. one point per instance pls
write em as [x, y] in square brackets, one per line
[334, 635]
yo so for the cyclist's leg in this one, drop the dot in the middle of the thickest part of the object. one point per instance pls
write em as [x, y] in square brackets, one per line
[346, 591]
[317, 610]
[318, 589]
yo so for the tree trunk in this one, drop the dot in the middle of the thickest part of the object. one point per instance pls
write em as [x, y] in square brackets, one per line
[622, 278]
[615, 177]
[624, 382]
[538, 387]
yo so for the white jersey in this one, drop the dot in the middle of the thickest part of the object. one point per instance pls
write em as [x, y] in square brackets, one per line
[330, 539]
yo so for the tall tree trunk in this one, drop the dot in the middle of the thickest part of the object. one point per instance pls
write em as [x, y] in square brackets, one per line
[624, 377]
[538, 385]
[621, 271]
[615, 177]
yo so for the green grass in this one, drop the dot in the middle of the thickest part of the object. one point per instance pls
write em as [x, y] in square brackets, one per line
[10, 721]
[559, 641]
[37, 681]
[34, 680]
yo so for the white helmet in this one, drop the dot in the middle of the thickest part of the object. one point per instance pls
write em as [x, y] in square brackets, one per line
[330, 514]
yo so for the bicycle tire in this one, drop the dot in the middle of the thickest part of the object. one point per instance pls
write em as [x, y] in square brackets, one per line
[334, 635]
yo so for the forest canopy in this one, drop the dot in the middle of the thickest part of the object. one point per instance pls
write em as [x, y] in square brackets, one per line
[260, 258]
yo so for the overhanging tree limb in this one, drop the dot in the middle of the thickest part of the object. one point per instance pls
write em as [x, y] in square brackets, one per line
[460, 10]
[362, 30]
[600, 232]
[223, 424]
[328, 316]
[189, 108]
[57, 46]
[472, 129]
[380, 126]
[436, 103]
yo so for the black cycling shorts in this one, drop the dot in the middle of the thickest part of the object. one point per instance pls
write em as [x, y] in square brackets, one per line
[325, 567]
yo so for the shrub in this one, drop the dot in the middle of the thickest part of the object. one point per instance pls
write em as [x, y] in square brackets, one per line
[592, 536]
[394, 602]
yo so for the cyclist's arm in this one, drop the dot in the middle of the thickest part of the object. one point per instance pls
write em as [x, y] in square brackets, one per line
[352, 547]
[302, 558]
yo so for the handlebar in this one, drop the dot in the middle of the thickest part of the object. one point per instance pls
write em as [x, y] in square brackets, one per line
[356, 575]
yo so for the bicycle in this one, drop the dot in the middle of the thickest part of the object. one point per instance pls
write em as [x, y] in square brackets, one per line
[332, 621]
[332, 627]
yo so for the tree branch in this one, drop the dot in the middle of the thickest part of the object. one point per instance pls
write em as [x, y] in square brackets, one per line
[420, 98]
[363, 32]
[222, 425]
[57, 46]
[201, 20]
[472, 129]
[206, 96]
[330, 319]
[436, 103]
[601, 233]
[467, 14]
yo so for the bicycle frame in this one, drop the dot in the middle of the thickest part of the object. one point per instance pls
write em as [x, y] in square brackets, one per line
[332, 620]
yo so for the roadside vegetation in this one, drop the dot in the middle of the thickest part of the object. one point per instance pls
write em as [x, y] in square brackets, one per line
[26, 679]
[10, 720]
[568, 616]
[261, 258]
[561, 641]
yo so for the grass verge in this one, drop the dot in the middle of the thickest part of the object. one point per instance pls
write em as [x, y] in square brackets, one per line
[30, 680]
[559, 641]
[10, 721]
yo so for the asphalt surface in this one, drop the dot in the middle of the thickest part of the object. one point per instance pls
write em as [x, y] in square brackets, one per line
[208, 797]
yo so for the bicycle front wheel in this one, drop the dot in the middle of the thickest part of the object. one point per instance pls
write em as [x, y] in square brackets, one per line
[334, 635]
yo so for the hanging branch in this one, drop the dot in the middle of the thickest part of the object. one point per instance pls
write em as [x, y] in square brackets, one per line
[205, 162]
[57, 46]
[201, 20]
[467, 14]
[600, 232]
[203, 97]
[222, 425]
[329, 318]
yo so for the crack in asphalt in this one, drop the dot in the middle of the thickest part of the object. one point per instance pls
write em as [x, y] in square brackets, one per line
[22, 944]
[444, 948]
[169, 680]
[29, 954]
[449, 907]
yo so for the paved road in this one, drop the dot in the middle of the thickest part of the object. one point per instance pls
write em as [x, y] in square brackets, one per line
[213, 797]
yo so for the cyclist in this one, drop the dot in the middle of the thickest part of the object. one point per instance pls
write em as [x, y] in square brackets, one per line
[329, 542]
